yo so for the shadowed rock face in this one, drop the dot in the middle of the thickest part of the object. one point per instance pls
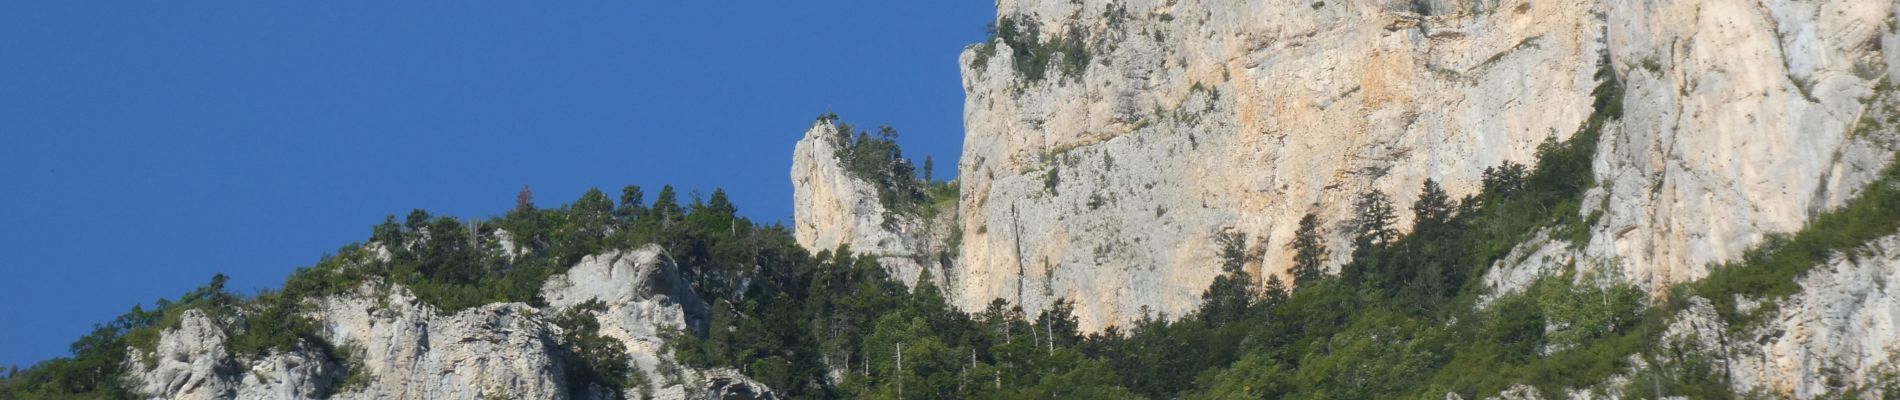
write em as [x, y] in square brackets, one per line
[411, 350]
[1105, 180]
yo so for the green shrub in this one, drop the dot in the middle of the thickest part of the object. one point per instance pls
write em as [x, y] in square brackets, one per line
[592, 359]
[1069, 54]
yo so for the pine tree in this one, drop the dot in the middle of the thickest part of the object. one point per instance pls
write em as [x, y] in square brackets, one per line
[929, 165]
[418, 220]
[389, 233]
[632, 202]
[1372, 229]
[1505, 179]
[1276, 292]
[1432, 211]
[666, 206]
[720, 205]
[524, 201]
[1372, 223]
[1309, 252]
[1059, 325]
[592, 214]
[1228, 298]
[1427, 274]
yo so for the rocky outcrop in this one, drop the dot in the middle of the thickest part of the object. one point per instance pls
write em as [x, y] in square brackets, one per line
[189, 363]
[1103, 175]
[833, 208]
[192, 361]
[412, 350]
[1839, 335]
[404, 348]
[1840, 332]
[646, 300]
[293, 375]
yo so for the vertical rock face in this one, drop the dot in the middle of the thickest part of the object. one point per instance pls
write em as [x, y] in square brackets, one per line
[1740, 121]
[1109, 142]
[1106, 184]
[833, 208]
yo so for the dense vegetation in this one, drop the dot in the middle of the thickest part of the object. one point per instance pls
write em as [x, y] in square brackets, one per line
[1399, 320]
[878, 159]
[1031, 57]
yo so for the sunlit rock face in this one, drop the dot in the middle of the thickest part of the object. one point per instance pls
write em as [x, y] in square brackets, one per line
[408, 349]
[833, 209]
[1105, 178]
[1840, 332]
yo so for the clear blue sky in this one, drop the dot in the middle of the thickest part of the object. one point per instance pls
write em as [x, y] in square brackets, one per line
[145, 146]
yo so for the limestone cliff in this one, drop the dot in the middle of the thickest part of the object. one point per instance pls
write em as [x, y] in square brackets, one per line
[403, 348]
[1108, 142]
[833, 208]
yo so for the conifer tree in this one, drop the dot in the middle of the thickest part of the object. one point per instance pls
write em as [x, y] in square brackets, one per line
[1309, 252]
[632, 202]
[592, 213]
[1228, 298]
[1432, 210]
[666, 205]
[1372, 221]
[524, 200]
[1276, 291]
[719, 204]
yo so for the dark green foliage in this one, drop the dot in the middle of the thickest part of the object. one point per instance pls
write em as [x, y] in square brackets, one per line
[1309, 252]
[666, 207]
[1276, 291]
[632, 203]
[592, 359]
[1233, 292]
[356, 376]
[1516, 325]
[592, 215]
[878, 159]
[1505, 179]
[94, 371]
[1432, 212]
[273, 322]
[1373, 220]
[930, 166]
[1052, 179]
[1068, 53]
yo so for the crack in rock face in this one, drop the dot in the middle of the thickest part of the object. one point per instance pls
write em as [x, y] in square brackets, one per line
[1106, 181]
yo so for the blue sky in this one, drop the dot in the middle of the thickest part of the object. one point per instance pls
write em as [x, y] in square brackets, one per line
[145, 146]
